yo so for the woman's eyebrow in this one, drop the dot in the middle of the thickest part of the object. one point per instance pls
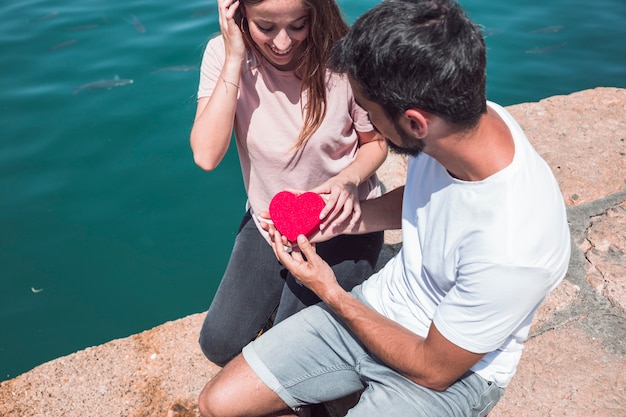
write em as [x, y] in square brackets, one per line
[270, 22]
[300, 18]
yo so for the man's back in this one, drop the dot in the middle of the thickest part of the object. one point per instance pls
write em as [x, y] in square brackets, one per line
[478, 256]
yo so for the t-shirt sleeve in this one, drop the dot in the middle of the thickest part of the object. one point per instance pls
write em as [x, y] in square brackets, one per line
[488, 303]
[359, 115]
[212, 63]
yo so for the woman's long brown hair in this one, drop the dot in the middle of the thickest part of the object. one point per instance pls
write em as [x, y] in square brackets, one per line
[326, 26]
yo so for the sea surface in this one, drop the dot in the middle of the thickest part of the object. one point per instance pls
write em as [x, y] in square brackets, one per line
[107, 228]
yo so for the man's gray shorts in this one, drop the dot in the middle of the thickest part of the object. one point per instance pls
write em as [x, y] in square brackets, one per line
[312, 358]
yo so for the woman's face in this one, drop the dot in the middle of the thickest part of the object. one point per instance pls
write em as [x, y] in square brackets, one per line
[279, 28]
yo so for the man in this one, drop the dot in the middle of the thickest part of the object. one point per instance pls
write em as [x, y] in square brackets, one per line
[439, 330]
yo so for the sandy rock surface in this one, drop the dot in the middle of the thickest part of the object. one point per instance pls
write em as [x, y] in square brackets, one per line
[574, 363]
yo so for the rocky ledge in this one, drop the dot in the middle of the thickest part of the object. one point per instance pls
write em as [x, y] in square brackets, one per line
[574, 364]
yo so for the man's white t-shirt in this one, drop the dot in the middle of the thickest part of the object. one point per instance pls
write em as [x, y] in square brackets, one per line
[477, 257]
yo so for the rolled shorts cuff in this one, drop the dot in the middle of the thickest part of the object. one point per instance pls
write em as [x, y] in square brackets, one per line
[268, 378]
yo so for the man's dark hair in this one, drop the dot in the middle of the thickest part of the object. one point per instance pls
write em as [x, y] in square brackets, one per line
[424, 54]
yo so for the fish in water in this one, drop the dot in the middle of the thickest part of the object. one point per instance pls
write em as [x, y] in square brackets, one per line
[102, 84]
[62, 45]
[175, 68]
[138, 25]
[548, 29]
[547, 49]
[48, 16]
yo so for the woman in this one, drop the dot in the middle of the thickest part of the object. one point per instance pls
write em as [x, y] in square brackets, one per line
[297, 127]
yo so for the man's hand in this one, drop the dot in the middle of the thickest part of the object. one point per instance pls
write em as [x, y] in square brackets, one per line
[320, 236]
[306, 265]
[433, 362]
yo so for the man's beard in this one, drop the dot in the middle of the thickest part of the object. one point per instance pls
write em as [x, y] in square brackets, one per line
[410, 146]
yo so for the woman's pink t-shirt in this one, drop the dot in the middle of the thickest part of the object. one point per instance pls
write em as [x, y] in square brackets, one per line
[269, 119]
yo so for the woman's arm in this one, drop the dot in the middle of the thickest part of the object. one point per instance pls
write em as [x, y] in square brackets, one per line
[213, 124]
[215, 115]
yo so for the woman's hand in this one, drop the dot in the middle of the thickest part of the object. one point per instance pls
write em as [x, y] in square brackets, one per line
[341, 192]
[233, 38]
[342, 201]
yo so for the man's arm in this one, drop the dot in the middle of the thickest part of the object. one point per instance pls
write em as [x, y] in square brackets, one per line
[433, 362]
[377, 214]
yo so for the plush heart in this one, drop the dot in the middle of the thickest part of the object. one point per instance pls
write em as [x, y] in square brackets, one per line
[294, 215]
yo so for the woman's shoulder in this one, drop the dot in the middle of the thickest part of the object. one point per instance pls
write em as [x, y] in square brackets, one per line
[338, 85]
[339, 90]
[337, 79]
[214, 49]
[216, 43]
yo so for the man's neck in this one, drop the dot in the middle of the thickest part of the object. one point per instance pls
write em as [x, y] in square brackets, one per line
[477, 153]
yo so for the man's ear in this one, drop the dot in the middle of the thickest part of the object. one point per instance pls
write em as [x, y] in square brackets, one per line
[418, 122]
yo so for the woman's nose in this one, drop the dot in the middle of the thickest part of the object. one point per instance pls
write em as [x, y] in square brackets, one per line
[282, 41]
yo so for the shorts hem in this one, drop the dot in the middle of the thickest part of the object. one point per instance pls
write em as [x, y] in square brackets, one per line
[268, 378]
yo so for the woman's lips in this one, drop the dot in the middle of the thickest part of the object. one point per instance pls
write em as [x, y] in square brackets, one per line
[280, 53]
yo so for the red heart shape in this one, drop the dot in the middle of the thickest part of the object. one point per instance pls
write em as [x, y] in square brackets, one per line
[295, 215]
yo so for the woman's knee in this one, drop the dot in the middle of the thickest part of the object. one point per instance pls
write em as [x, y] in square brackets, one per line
[219, 349]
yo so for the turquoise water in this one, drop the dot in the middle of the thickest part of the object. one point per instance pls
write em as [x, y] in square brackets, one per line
[107, 227]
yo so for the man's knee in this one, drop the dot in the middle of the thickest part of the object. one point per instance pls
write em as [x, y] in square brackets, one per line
[209, 401]
[216, 396]
[235, 391]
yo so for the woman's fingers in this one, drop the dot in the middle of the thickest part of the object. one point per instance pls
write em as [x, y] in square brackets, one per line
[227, 9]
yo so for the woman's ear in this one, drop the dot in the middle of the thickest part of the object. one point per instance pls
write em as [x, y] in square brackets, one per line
[418, 122]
